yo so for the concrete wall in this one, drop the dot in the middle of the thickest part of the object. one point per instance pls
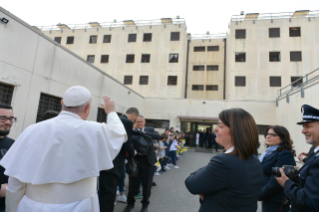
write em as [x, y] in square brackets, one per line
[257, 69]
[159, 48]
[206, 77]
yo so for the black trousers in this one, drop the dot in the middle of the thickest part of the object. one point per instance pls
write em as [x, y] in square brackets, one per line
[145, 171]
[107, 191]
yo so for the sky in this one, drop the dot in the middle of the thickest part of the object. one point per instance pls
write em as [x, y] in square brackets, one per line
[200, 16]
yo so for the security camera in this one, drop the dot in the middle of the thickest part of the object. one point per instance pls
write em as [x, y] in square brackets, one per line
[4, 21]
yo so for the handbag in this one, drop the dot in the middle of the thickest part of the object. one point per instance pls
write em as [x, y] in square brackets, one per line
[142, 142]
[131, 167]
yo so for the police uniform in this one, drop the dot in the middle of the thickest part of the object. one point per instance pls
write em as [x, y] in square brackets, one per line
[305, 196]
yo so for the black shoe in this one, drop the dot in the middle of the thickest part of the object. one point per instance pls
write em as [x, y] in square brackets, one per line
[163, 170]
[128, 208]
[153, 184]
[144, 208]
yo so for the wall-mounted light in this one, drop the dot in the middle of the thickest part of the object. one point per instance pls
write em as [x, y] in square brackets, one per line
[204, 102]
[4, 21]
[129, 92]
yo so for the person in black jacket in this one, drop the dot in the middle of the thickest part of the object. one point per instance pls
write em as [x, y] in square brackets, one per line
[231, 181]
[145, 165]
[279, 152]
[109, 179]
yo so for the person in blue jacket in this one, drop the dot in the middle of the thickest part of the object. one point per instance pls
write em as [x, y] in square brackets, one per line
[279, 152]
[304, 194]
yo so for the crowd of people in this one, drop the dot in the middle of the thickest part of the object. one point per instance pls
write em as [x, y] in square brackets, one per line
[206, 139]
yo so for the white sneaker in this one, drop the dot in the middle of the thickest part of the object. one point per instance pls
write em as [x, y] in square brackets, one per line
[166, 167]
[122, 198]
[156, 173]
[117, 192]
[169, 164]
[114, 203]
[176, 167]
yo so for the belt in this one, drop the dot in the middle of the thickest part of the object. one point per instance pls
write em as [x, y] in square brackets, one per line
[60, 193]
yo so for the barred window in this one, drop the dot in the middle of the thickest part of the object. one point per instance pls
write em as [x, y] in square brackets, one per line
[130, 58]
[146, 58]
[6, 92]
[132, 38]
[212, 48]
[198, 68]
[93, 39]
[212, 68]
[173, 58]
[91, 58]
[174, 36]
[147, 37]
[128, 80]
[274, 56]
[48, 102]
[274, 32]
[143, 80]
[262, 129]
[240, 33]
[101, 115]
[275, 81]
[211, 87]
[240, 57]
[199, 48]
[104, 58]
[240, 81]
[296, 81]
[155, 123]
[70, 40]
[172, 80]
[198, 87]
[294, 32]
[58, 39]
[107, 38]
[295, 56]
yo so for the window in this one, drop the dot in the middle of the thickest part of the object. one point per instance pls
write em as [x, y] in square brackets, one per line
[174, 36]
[70, 40]
[128, 80]
[130, 58]
[104, 59]
[198, 87]
[295, 56]
[147, 37]
[101, 115]
[172, 80]
[211, 87]
[198, 68]
[240, 57]
[143, 80]
[6, 92]
[132, 38]
[274, 32]
[275, 81]
[199, 48]
[240, 33]
[93, 39]
[212, 68]
[48, 102]
[294, 32]
[240, 81]
[262, 129]
[146, 58]
[274, 56]
[107, 38]
[296, 81]
[212, 48]
[173, 58]
[157, 123]
[58, 39]
[90, 58]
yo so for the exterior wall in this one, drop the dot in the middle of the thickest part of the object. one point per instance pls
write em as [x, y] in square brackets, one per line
[206, 77]
[257, 46]
[159, 48]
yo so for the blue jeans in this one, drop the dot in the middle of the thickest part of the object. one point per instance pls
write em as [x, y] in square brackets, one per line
[121, 180]
[173, 156]
[3, 210]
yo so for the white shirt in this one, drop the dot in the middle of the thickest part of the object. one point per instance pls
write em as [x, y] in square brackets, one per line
[230, 150]
[316, 149]
[173, 148]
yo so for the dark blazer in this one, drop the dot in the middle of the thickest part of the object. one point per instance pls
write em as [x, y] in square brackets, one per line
[228, 184]
[272, 194]
[127, 147]
[306, 196]
[310, 154]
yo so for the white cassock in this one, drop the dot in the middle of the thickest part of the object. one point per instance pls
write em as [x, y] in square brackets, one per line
[53, 165]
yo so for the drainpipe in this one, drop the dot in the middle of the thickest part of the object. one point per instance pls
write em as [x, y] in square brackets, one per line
[224, 92]
[187, 59]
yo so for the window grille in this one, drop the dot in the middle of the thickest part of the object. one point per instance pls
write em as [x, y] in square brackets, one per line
[240, 57]
[107, 38]
[198, 87]
[199, 48]
[90, 58]
[296, 81]
[262, 129]
[211, 87]
[132, 38]
[174, 36]
[294, 32]
[198, 68]
[93, 39]
[274, 32]
[172, 80]
[173, 58]
[147, 37]
[143, 80]
[130, 58]
[275, 81]
[146, 58]
[240, 33]
[58, 39]
[212, 68]
[274, 56]
[70, 40]
[157, 123]
[104, 58]
[212, 48]
[240, 81]
[6, 92]
[295, 56]
[101, 115]
[128, 80]
[48, 102]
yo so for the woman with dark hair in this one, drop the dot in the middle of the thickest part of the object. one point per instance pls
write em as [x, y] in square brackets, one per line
[231, 181]
[279, 152]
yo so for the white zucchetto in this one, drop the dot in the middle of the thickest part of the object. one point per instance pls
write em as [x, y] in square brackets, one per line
[76, 96]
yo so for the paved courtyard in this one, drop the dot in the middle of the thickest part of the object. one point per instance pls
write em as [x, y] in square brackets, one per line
[170, 194]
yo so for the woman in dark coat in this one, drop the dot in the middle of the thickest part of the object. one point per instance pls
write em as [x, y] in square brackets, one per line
[231, 181]
[279, 152]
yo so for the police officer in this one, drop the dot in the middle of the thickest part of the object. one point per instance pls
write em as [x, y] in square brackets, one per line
[304, 194]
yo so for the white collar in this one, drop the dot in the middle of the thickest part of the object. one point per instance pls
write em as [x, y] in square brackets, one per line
[229, 150]
[63, 112]
[316, 149]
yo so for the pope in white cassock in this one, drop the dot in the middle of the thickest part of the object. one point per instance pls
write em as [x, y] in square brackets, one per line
[53, 166]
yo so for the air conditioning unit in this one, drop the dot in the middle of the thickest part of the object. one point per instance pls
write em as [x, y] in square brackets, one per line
[242, 13]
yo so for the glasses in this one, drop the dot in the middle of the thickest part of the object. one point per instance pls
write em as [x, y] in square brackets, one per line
[271, 135]
[11, 119]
